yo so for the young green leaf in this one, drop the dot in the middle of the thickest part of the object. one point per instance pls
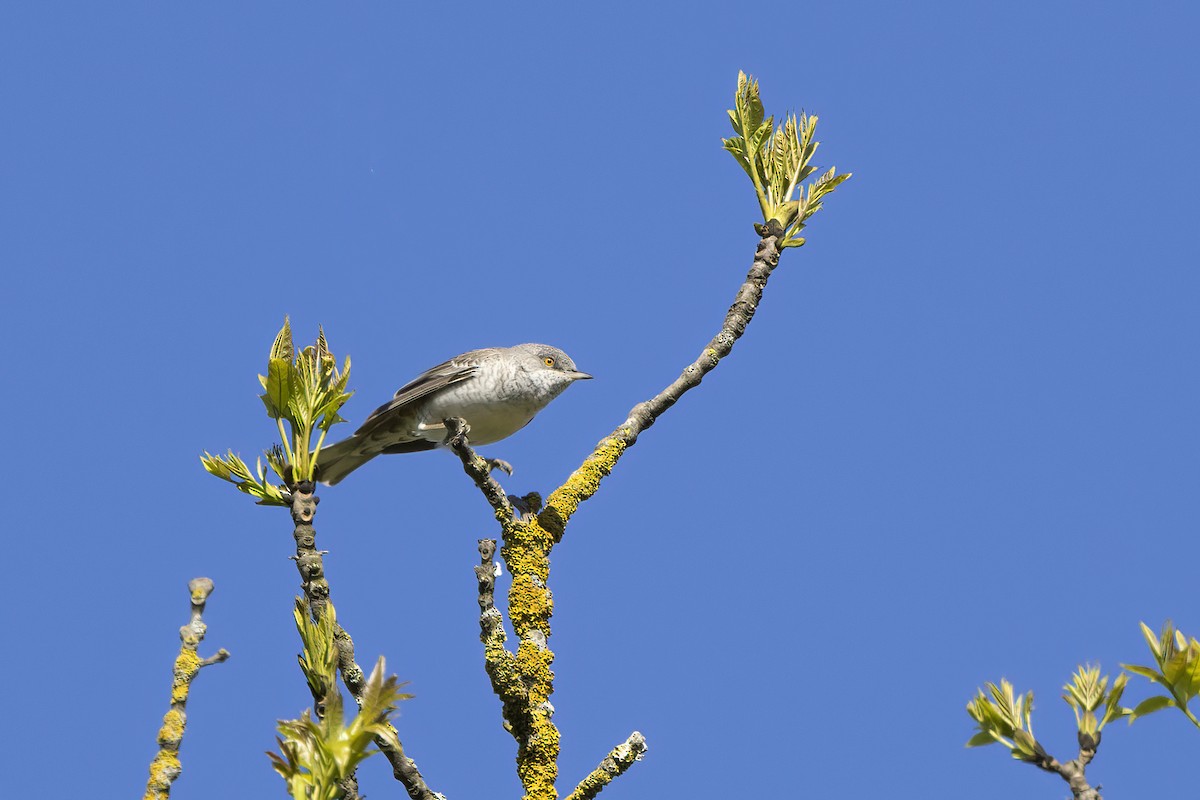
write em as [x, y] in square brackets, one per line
[776, 158]
[278, 396]
[281, 348]
[319, 658]
[982, 738]
[1149, 706]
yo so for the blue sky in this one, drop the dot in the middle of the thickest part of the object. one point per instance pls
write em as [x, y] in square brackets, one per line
[959, 441]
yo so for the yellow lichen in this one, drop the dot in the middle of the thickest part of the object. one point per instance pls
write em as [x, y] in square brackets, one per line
[187, 664]
[537, 763]
[526, 549]
[535, 663]
[163, 769]
[529, 605]
[584, 482]
[171, 732]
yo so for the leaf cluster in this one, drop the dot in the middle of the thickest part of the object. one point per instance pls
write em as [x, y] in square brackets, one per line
[777, 161]
[306, 390]
[230, 467]
[1087, 692]
[319, 657]
[315, 756]
[1176, 668]
[1006, 717]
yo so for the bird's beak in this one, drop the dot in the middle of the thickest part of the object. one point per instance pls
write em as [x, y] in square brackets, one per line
[579, 376]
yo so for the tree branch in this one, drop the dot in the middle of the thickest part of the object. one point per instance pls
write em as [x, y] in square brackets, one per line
[499, 663]
[525, 682]
[1073, 771]
[585, 481]
[478, 468]
[311, 565]
[166, 766]
[620, 759]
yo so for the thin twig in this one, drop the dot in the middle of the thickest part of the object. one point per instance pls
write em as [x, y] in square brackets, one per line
[583, 483]
[166, 766]
[478, 468]
[311, 564]
[1073, 771]
[616, 762]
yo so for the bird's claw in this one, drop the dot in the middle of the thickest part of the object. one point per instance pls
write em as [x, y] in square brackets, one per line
[456, 435]
[499, 464]
[456, 430]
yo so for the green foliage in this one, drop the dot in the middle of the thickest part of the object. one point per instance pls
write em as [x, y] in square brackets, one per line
[1087, 692]
[1005, 717]
[315, 756]
[1176, 668]
[231, 468]
[319, 658]
[305, 389]
[777, 161]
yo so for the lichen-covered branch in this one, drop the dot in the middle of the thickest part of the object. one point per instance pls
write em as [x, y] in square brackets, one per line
[166, 766]
[499, 662]
[583, 483]
[311, 565]
[526, 552]
[525, 681]
[616, 762]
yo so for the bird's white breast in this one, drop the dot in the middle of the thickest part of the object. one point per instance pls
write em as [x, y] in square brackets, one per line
[496, 402]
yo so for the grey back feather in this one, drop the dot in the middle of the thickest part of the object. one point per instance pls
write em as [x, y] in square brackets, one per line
[431, 380]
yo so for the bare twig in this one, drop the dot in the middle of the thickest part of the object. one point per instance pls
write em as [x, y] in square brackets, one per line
[620, 759]
[583, 483]
[1073, 771]
[166, 766]
[478, 468]
[311, 564]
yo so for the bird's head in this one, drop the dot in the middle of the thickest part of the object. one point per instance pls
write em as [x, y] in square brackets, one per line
[550, 366]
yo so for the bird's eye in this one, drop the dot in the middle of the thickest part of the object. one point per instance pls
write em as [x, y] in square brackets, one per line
[548, 361]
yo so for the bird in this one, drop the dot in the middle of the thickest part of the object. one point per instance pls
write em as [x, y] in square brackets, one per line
[495, 390]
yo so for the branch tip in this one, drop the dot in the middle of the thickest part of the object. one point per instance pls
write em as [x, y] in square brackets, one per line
[621, 758]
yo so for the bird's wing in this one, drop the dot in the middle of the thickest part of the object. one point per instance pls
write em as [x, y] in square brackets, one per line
[425, 384]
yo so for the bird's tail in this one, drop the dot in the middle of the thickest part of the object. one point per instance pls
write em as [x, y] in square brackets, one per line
[338, 460]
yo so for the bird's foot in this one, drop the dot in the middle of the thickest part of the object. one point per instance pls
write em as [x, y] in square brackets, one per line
[456, 437]
[499, 464]
[456, 431]
[527, 507]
